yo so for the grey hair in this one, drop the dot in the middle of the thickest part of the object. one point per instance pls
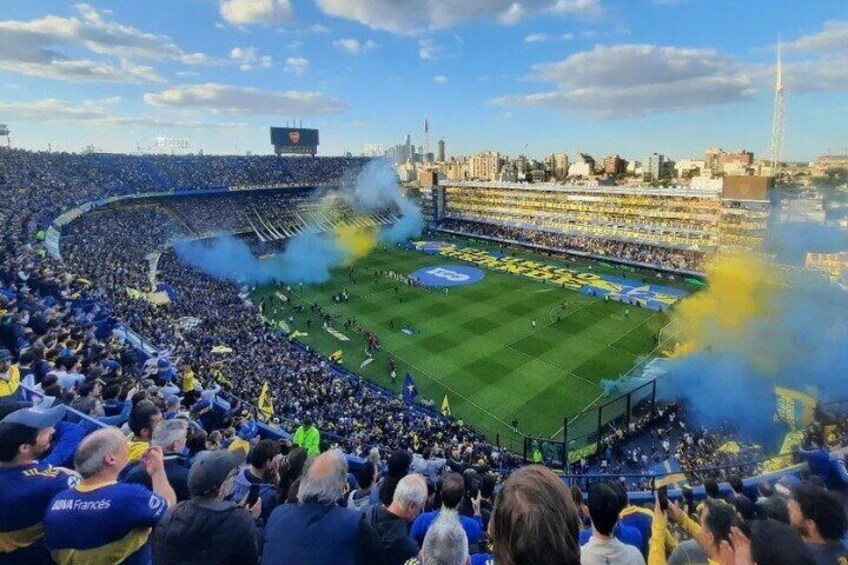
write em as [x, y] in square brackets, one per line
[374, 457]
[325, 478]
[445, 542]
[412, 489]
[167, 432]
[88, 459]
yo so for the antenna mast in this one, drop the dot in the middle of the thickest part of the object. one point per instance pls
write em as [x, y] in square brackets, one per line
[777, 124]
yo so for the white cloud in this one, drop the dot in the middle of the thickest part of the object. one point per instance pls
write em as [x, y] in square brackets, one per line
[244, 12]
[95, 112]
[224, 98]
[412, 17]
[440, 79]
[634, 80]
[248, 58]
[297, 65]
[354, 46]
[833, 38]
[817, 62]
[547, 37]
[428, 50]
[35, 48]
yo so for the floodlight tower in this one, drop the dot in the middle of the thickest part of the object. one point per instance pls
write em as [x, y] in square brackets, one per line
[777, 123]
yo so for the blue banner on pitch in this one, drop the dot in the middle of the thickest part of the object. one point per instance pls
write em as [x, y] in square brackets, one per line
[449, 275]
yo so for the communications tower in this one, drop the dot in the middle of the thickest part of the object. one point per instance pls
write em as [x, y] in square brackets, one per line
[777, 123]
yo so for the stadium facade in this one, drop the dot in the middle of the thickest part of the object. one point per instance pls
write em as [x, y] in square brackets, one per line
[729, 214]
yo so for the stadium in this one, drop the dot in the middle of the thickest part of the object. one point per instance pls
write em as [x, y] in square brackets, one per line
[473, 327]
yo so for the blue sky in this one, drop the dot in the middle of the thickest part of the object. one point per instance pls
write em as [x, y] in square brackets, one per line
[599, 76]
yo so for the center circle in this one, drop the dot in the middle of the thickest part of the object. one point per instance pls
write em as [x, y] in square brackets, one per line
[448, 275]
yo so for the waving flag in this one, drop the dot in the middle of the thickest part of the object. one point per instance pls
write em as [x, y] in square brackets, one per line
[446, 407]
[265, 403]
[410, 391]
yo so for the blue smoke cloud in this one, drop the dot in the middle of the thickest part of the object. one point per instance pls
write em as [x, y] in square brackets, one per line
[308, 257]
[791, 241]
[800, 343]
[377, 187]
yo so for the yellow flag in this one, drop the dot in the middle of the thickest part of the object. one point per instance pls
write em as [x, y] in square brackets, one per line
[446, 407]
[265, 403]
[336, 357]
[794, 407]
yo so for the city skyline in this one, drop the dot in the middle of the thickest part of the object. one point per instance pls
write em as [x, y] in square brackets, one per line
[530, 77]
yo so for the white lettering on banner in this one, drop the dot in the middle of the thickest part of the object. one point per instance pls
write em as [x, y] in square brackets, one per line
[77, 504]
[442, 273]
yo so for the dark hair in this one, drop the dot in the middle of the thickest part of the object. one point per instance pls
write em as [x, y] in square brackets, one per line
[26, 357]
[823, 508]
[711, 488]
[736, 483]
[621, 492]
[140, 417]
[67, 362]
[719, 519]
[535, 521]
[196, 442]
[453, 489]
[773, 543]
[399, 462]
[765, 489]
[12, 437]
[264, 452]
[744, 506]
[487, 486]
[604, 506]
[773, 508]
[365, 476]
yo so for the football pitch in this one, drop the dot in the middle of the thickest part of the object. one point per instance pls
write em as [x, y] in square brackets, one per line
[477, 343]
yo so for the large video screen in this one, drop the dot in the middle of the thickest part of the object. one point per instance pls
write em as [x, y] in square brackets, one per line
[294, 137]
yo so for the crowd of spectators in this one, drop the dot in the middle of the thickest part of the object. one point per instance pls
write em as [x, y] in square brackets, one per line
[145, 469]
[642, 254]
[632, 452]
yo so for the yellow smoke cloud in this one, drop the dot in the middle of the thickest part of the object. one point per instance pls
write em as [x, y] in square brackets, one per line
[740, 291]
[355, 241]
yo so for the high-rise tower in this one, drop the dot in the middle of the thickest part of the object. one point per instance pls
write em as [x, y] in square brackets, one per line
[777, 124]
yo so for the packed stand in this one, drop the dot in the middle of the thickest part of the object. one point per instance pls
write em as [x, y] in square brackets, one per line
[665, 258]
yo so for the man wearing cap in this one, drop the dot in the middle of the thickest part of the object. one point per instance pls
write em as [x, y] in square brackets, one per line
[207, 529]
[308, 437]
[28, 486]
[10, 377]
[101, 520]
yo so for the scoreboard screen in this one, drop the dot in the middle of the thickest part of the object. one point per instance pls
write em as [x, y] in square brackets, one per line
[294, 141]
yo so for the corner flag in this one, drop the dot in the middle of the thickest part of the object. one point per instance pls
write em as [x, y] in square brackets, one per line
[410, 391]
[446, 407]
[265, 403]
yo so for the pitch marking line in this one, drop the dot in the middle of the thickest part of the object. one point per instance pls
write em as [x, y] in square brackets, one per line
[552, 322]
[448, 388]
[622, 336]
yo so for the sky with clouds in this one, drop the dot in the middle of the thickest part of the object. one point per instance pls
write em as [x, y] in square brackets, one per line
[599, 76]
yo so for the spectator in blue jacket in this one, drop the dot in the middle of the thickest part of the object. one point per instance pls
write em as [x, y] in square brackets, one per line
[453, 491]
[317, 531]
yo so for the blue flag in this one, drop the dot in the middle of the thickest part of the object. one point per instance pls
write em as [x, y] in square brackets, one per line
[668, 473]
[410, 391]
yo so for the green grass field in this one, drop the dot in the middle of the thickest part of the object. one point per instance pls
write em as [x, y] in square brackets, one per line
[477, 344]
